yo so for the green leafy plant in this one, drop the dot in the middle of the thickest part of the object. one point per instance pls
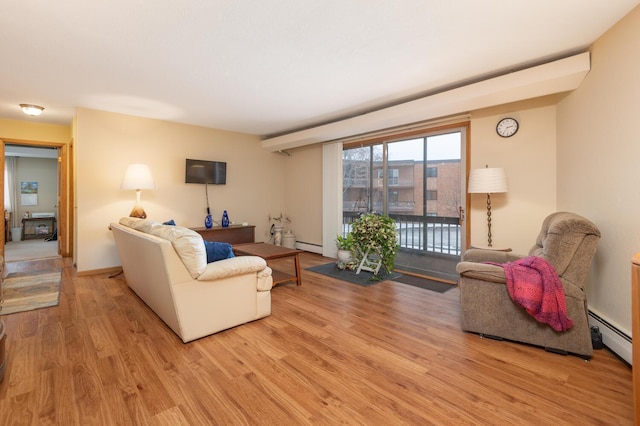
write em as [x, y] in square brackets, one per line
[376, 234]
[345, 243]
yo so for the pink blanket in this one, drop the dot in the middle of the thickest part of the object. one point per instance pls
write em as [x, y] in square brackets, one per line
[533, 283]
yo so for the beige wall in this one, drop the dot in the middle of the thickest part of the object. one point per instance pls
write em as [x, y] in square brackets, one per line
[529, 160]
[106, 143]
[33, 131]
[598, 154]
[303, 193]
[45, 172]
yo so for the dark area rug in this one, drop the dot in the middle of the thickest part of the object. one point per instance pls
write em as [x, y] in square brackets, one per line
[364, 278]
[424, 283]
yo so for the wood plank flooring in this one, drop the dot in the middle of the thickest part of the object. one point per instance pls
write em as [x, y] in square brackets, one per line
[330, 353]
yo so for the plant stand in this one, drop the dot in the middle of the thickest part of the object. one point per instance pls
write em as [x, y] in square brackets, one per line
[370, 261]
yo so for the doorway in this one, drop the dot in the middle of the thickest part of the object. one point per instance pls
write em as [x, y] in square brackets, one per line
[32, 192]
[419, 182]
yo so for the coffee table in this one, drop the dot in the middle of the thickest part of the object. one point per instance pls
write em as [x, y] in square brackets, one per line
[271, 252]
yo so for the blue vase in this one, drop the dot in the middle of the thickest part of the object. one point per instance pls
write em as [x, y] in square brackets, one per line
[225, 219]
[208, 221]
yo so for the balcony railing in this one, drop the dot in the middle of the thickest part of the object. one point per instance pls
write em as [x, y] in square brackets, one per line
[435, 234]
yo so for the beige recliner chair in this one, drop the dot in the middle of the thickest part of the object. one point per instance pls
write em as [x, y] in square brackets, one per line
[567, 241]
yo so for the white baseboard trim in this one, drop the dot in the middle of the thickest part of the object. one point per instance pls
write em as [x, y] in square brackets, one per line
[612, 337]
[313, 248]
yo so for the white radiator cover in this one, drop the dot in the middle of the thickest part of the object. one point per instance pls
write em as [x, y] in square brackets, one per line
[612, 337]
[41, 215]
[313, 248]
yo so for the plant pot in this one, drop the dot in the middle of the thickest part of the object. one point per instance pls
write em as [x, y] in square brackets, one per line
[289, 240]
[344, 256]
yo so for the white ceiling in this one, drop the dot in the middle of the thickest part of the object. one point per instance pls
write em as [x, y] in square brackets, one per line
[272, 66]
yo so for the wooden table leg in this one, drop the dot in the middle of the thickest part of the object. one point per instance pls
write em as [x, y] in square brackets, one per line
[296, 261]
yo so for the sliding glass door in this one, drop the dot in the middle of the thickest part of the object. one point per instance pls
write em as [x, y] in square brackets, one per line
[417, 181]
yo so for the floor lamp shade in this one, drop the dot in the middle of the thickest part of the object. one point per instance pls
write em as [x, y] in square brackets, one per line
[487, 181]
[138, 177]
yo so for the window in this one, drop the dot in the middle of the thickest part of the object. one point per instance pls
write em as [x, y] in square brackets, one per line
[407, 176]
[417, 179]
[393, 176]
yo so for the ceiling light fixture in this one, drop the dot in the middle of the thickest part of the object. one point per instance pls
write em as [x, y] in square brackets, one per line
[33, 110]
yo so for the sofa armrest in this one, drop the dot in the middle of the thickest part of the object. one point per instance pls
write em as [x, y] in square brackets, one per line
[233, 266]
[481, 271]
[265, 280]
[482, 255]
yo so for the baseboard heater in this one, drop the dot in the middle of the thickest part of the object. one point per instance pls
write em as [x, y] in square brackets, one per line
[612, 337]
[313, 248]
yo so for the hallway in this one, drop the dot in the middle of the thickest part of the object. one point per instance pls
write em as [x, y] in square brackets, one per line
[30, 249]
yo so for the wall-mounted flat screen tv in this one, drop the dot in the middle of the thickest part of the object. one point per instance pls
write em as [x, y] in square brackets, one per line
[203, 171]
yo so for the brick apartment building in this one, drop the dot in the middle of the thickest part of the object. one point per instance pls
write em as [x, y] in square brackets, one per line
[362, 191]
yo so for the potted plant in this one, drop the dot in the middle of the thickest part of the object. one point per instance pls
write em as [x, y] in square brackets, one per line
[345, 250]
[375, 237]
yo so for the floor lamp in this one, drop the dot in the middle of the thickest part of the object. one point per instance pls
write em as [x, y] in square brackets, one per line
[487, 181]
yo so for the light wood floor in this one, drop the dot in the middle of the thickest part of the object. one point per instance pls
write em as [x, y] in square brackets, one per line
[331, 352]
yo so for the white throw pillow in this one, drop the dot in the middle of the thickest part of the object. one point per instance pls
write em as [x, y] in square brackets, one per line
[187, 243]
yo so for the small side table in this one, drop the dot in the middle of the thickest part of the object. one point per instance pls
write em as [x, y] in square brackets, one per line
[30, 227]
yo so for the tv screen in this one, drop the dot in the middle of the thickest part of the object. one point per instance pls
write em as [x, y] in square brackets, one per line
[203, 171]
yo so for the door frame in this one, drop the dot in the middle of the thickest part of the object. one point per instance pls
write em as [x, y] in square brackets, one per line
[64, 219]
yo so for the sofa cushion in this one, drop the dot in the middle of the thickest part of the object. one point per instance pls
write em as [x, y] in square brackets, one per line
[231, 267]
[218, 251]
[142, 225]
[187, 243]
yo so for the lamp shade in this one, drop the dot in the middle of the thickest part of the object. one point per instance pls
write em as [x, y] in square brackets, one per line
[487, 181]
[138, 176]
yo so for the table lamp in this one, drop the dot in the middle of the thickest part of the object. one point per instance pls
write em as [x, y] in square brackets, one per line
[138, 177]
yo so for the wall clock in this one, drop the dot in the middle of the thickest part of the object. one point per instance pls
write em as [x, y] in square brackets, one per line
[507, 127]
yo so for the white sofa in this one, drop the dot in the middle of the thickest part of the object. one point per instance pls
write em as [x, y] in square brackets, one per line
[167, 268]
